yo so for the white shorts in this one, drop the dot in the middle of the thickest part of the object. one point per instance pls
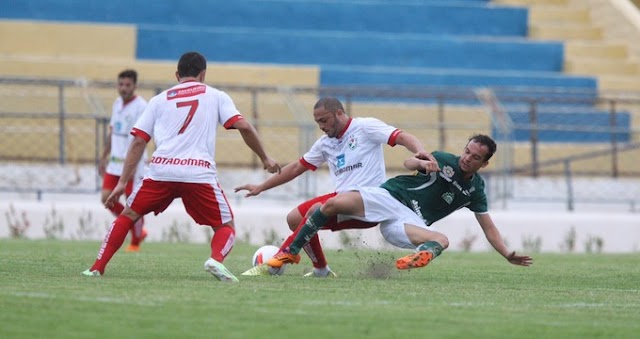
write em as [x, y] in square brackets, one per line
[380, 206]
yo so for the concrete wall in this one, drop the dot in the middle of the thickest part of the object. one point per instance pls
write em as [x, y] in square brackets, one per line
[259, 221]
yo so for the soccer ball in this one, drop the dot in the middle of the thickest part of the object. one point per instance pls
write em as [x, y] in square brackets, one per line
[263, 254]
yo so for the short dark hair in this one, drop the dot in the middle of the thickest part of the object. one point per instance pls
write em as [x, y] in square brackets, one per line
[486, 141]
[129, 73]
[330, 104]
[191, 64]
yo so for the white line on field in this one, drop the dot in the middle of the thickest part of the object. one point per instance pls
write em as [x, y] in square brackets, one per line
[109, 300]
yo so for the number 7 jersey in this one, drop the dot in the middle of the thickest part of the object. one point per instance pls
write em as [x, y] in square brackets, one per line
[183, 121]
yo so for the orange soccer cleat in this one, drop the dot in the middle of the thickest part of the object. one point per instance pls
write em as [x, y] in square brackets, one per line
[282, 258]
[415, 260]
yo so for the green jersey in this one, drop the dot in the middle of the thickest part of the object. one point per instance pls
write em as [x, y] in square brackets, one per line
[433, 196]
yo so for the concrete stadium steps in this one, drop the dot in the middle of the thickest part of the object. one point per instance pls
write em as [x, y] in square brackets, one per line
[149, 71]
[602, 50]
[551, 14]
[599, 40]
[549, 31]
[95, 41]
[603, 67]
[532, 2]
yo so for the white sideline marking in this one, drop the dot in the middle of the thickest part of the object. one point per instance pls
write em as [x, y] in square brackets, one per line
[109, 300]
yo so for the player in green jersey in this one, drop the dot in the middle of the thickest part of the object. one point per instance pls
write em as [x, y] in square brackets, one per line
[407, 205]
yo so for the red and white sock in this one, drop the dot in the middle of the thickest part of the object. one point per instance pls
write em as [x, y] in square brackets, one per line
[224, 237]
[112, 242]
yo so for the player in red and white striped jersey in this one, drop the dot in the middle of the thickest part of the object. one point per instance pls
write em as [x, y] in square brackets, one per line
[183, 121]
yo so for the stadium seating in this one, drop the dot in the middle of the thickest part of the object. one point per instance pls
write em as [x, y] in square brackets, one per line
[458, 43]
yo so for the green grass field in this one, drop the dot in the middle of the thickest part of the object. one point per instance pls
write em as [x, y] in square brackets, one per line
[163, 292]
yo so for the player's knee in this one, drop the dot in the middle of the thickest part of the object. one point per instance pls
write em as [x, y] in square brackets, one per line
[331, 207]
[443, 240]
[293, 219]
[131, 214]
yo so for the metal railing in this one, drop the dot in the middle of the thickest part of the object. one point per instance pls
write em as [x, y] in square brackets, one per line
[441, 100]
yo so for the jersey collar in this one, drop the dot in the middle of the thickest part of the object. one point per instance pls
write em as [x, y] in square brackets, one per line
[344, 130]
[128, 101]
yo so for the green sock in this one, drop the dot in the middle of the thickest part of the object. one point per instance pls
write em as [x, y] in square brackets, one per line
[310, 228]
[432, 246]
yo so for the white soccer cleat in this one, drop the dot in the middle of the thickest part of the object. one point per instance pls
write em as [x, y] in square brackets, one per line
[90, 273]
[321, 273]
[218, 270]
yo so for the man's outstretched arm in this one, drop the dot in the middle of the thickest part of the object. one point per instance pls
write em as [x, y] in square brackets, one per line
[495, 239]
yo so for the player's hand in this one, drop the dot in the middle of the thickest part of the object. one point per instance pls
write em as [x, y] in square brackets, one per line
[115, 195]
[431, 164]
[521, 260]
[253, 190]
[271, 165]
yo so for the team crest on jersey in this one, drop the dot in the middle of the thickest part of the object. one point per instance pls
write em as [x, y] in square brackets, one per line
[352, 142]
[340, 161]
[448, 197]
[448, 171]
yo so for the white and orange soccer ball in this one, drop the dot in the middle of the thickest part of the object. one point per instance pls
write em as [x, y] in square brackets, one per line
[265, 253]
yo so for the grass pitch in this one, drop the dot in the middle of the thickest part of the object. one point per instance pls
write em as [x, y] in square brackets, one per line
[163, 292]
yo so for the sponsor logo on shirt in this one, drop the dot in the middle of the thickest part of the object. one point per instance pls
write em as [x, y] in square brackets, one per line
[348, 168]
[186, 92]
[448, 197]
[416, 209]
[448, 172]
[180, 162]
[340, 161]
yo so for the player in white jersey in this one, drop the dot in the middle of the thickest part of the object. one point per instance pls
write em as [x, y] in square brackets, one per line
[183, 121]
[126, 110]
[353, 150]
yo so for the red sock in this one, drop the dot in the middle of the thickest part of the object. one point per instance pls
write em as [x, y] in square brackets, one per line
[314, 251]
[222, 242]
[117, 208]
[138, 233]
[112, 242]
[313, 248]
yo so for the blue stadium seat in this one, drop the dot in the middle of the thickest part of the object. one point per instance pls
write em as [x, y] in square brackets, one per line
[459, 43]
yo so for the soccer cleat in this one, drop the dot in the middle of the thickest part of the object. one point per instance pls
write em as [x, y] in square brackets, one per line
[90, 273]
[318, 273]
[218, 270]
[282, 258]
[262, 269]
[136, 248]
[415, 260]
[132, 248]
